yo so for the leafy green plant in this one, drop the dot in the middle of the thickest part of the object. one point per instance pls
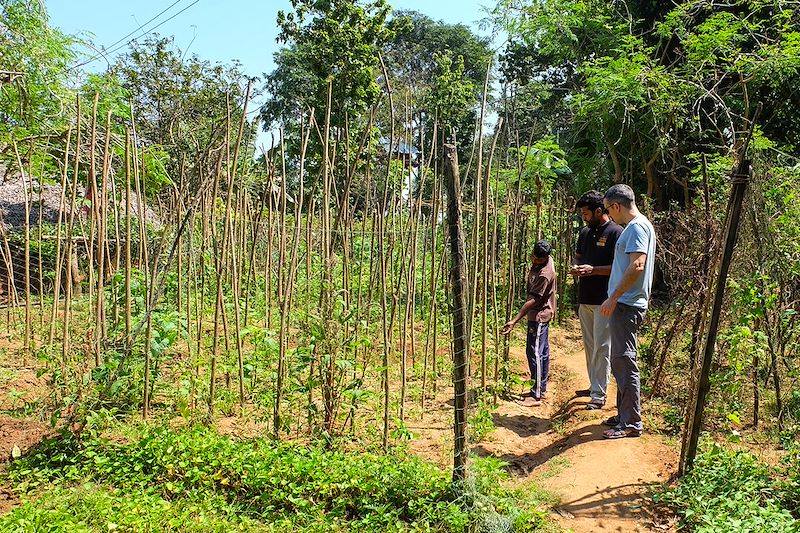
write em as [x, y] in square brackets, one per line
[673, 417]
[257, 480]
[729, 491]
[481, 422]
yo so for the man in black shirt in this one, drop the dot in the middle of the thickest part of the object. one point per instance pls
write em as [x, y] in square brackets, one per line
[594, 254]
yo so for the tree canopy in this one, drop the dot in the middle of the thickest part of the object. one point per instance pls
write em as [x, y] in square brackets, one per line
[35, 62]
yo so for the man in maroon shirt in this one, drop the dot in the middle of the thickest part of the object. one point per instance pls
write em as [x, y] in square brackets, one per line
[539, 308]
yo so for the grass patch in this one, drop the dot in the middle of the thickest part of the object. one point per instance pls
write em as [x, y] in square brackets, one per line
[555, 466]
[197, 480]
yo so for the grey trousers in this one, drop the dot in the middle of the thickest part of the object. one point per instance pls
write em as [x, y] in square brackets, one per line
[597, 347]
[624, 324]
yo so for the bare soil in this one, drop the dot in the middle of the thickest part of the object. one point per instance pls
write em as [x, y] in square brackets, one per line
[20, 386]
[603, 485]
[24, 435]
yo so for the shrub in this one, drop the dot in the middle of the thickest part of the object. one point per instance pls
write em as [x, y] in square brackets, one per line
[729, 492]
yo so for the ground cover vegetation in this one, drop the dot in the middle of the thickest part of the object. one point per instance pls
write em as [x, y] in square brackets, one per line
[174, 280]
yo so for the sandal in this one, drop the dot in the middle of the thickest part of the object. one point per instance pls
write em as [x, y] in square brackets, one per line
[594, 405]
[530, 401]
[621, 433]
[611, 421]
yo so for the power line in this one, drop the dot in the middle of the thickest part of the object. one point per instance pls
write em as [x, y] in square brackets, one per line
[156, 26]
[108, 49]
[113, 47]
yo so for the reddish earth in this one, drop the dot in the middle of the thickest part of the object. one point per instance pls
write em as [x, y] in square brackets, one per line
[23, 434]
[21, 386]
[602, 485]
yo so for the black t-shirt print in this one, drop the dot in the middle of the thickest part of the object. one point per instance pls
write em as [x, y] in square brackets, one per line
[596, 247]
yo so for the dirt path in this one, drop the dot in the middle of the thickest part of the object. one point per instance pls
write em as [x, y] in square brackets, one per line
[603, 484]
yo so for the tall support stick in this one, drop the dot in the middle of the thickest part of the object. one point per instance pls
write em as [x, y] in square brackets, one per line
[478, 262]
[90, 242]
[485, 263]
[236, 280]
[128, 301]
[102, 233]
[71, 269]
[28, 330]
[382, 251]
[457, 281]
[739, 181]
[59, 258]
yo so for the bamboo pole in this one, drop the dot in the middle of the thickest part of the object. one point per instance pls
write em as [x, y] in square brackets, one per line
[220, 259]
[477, 226]
[59, 258]
[39, 244]
[26, 353]
[148, 283]
[100, 324]
[382, 251]
[90, 240]
[485, 251]
[276, 417]
[71, 275]
[240, 357]
[128, 299]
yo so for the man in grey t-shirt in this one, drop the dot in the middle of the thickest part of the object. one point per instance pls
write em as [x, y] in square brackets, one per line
[628, 296]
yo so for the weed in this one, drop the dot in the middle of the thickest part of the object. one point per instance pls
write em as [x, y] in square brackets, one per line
[555, 466]
[198, 480]
[673, 417]
[481, 423]
[729, 491]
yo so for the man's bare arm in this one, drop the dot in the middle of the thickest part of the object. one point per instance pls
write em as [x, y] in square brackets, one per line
[632, 273]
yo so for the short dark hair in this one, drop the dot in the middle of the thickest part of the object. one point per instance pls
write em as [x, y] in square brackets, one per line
[542, 249]
[591, 200]
[622, 194]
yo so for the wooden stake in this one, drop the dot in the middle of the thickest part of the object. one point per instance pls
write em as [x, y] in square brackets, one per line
[739, 182]
[460, 333]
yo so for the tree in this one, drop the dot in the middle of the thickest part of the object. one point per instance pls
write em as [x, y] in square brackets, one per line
[180, 105]
[329, 66]
[334, 42]
[34, 61]
[438, 72]
[644, 96]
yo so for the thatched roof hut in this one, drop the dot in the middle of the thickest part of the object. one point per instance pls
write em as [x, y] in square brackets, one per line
[47, 198]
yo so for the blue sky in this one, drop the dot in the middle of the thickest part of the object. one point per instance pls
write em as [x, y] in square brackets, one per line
[216, 30]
